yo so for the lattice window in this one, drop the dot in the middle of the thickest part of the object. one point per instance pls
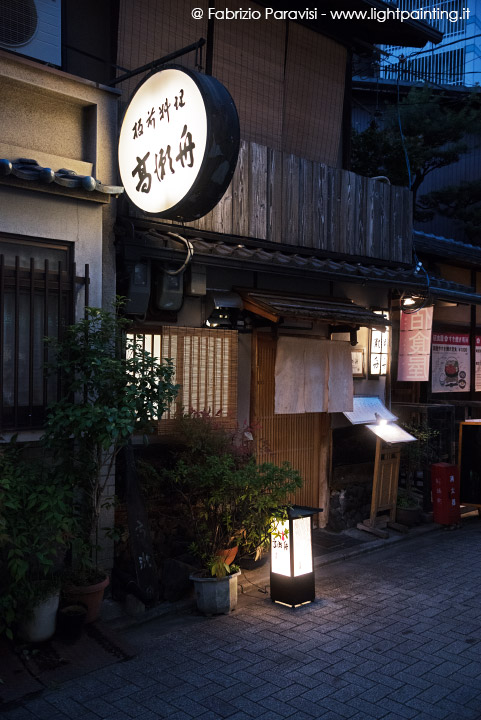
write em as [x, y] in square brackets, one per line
[205, 363]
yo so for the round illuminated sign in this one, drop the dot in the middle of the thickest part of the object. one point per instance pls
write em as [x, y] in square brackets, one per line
[178, 144]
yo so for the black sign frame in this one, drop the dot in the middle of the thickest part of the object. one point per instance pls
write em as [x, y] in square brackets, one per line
[221, 150]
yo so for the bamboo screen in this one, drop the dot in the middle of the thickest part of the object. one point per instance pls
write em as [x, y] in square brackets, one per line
[150, 29]
[205, 362]
[287, 81]
[249, 61]
[314, 88]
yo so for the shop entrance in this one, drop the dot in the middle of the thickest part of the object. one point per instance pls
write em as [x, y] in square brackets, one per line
[301, 439]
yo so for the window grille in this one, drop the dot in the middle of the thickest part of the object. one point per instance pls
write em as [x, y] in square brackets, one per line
[37, 293]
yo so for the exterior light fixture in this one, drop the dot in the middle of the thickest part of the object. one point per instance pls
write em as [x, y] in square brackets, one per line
[222, 309]
[411, 303]
[292, 567]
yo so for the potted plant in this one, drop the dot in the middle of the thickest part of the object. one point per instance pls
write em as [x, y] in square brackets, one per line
[37, 523]
[415, 456]
[112, 388]
[228, 501]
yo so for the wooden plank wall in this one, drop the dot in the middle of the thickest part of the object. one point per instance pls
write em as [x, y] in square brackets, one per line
[282, 198]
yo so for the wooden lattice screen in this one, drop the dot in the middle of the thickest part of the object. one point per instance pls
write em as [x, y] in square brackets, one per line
[205, 362]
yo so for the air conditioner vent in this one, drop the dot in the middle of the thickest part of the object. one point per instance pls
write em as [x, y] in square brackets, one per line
[32, 28]
[18, 22]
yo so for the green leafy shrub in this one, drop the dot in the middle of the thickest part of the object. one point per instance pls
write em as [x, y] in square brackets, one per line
[112, 388]
[227, 498]
[37, 519]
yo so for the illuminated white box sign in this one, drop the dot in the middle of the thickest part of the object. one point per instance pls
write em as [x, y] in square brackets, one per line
[178, 144]
[281, 548]
[379, 350]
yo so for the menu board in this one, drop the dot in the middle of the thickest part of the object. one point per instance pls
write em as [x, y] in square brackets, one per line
[368, 410]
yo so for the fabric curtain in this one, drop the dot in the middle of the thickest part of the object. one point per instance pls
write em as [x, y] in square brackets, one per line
[312, 376]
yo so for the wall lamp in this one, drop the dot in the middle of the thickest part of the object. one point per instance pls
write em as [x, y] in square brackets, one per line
[222, 308]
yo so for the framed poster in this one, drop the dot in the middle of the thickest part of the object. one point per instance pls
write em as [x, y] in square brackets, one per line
[357, 357]
[451, 363]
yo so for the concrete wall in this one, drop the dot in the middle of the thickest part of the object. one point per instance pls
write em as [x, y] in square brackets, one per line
[62, 122]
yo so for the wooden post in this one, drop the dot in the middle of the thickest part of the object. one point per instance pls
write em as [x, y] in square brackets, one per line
[384, 491]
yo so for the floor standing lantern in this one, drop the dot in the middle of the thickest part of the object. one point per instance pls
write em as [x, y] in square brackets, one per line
[292, 566]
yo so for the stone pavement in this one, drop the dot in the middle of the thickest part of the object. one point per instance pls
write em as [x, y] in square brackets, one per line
[394, 634]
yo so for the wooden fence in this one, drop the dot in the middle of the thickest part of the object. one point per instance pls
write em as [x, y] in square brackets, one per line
[282, 198]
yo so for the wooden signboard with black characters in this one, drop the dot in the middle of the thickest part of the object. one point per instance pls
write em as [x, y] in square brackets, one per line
[147, 580]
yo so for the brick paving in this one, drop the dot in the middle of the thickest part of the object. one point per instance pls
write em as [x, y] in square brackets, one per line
[394, 635]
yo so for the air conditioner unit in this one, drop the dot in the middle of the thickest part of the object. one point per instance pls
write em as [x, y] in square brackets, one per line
[32, 28]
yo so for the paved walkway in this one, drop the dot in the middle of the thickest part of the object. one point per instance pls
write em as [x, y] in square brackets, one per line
[395, 634]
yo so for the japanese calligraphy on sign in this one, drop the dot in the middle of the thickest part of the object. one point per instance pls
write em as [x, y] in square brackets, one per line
[477, 386]
[415, 345]
[280, 549]
[178, 144]
[163, 140]
[451, 363]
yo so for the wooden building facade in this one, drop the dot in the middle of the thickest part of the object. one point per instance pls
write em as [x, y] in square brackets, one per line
[307, 247]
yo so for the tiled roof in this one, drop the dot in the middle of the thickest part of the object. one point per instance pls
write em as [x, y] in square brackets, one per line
[30, 170]
[153, 243]
[307, 307]
[447, 249]
[402, 278]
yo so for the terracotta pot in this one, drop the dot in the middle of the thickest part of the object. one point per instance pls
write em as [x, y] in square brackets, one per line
[228, 555]
[89, 595]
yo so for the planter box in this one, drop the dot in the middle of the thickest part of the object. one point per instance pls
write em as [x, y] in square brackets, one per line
[215, 596]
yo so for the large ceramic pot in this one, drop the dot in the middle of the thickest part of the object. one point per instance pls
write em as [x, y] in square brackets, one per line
[215, 596]
[89, 595]
[409, 516]
[41, 626]
[71, 620]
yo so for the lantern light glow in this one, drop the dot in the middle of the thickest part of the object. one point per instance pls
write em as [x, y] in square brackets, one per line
[292, 566]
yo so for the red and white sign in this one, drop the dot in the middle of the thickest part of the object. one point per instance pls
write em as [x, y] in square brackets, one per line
[451, 363]
[477, 379]
[415, 345]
